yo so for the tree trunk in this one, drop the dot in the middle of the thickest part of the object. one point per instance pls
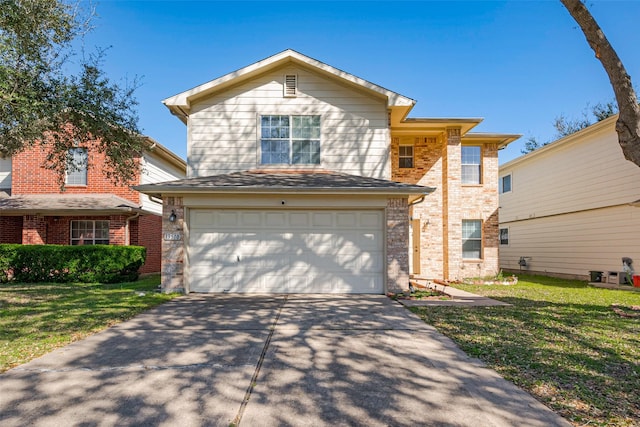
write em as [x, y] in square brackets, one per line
[628, 124]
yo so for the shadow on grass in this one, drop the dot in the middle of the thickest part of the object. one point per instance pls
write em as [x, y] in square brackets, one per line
[579, 358]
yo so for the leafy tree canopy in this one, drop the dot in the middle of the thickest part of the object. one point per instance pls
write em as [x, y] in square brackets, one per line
[566, 126]
[41, 102]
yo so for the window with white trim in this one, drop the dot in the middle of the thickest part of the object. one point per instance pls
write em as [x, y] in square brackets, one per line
[471, 164]
[289, 140]
[504, 236]
[77, 161]
[87, 232]
[505, 184]
[405, 156]
[471, 239]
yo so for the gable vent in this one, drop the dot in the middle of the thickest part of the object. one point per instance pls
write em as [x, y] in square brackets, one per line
[290, 85]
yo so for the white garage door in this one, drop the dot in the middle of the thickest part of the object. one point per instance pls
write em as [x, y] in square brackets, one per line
[286, 251]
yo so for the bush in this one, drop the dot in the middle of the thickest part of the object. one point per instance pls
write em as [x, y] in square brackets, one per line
[63, 264]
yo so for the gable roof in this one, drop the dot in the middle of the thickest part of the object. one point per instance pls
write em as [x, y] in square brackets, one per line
[180, 104]
[281, 181]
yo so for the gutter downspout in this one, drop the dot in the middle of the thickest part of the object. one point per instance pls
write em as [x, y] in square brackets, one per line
[128, 235]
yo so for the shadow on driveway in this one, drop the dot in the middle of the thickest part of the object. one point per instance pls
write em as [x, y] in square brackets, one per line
[322, 359]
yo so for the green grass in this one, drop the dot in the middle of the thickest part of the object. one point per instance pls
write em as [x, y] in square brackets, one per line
[36, 318]
[561, 341]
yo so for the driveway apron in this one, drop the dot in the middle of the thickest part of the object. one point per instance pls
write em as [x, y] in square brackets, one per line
[277, 360]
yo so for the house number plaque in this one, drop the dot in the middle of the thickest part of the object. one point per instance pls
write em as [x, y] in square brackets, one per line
[172, 236]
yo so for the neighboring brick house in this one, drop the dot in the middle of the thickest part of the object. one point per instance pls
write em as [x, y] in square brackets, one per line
[304, 178]
[91, 209]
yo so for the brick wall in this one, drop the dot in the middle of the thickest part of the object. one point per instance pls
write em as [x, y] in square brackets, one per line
[29, 177]
[397, 238]
[437, 163]
[147, 231]
[173, 250]
[34, 230]
[11, 229]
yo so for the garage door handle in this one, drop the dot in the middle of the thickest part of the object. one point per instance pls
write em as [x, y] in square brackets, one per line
[238, 256]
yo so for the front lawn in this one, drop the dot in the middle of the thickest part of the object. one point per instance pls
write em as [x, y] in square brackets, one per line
[561, 341]
[36, 318]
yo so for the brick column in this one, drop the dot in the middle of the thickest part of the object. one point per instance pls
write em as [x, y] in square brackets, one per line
[34, 230]
[397, 245]
[117, 230]
[172, 245]
[452, 201]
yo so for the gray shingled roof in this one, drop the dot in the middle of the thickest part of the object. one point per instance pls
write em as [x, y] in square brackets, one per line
[264, 181]
[66, 204]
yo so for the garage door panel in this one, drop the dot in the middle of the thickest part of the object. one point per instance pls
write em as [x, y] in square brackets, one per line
[286, 251]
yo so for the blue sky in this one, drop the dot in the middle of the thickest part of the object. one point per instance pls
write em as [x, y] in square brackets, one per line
[517, 64]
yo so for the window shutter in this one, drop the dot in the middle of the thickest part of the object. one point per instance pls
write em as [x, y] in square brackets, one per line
[290, 85]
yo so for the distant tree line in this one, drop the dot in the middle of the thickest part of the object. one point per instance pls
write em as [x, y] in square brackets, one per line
[566, 126]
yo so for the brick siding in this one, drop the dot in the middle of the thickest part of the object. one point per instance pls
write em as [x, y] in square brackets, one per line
[397, 238]
[11, 229]
[28, 176]
[437, 163]
[173, 250]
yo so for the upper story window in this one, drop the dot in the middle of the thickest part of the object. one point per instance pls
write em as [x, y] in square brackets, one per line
[471, 239]
[471, 164]
[77, 166]
[505, 184]
[405, 156]
[89, 232]
[290, 140]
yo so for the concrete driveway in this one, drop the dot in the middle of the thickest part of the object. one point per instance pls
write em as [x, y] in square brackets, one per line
[301, 360]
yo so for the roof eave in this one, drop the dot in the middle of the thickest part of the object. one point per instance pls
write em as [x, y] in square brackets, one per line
[180, 104]
[406, 192]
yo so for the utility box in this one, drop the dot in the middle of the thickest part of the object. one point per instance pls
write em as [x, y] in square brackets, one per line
[617, 278]
[596, 276]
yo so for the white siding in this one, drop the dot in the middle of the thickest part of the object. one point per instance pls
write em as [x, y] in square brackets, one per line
[156, 170]
[587, 173]
[575, 244]
[223, 129]
[5, 173]
[569, 206]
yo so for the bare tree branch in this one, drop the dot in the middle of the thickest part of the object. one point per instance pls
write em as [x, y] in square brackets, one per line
[628, 124]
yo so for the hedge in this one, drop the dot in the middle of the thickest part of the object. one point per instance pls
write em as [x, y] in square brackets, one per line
[64, 264]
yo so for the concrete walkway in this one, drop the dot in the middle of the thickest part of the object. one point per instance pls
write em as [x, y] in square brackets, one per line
[458, 297]
[301, 360]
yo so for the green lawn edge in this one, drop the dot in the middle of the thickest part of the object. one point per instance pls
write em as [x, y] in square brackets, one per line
[37, 318]
[560, 340]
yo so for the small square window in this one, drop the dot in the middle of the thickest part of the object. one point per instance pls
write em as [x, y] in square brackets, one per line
[405, 156]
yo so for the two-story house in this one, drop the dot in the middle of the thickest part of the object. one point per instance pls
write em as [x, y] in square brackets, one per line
[572, 207]
[304, 178]
[91, 209]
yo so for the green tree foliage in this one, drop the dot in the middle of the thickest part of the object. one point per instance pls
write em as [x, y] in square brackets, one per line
[42, 102]
[566, 126]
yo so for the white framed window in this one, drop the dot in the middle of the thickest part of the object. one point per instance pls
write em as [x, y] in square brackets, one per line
[505, 184]
[471, 164]
[405, 156]
[77, 162]
[471, 239]
[86, 232]
[289, 140]
[504, 236]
